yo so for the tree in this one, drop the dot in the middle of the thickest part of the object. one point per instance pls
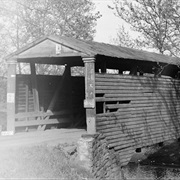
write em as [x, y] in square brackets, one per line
[125, 39]
[31, 19]
[157, 21]
[23, 21]
[61, 17]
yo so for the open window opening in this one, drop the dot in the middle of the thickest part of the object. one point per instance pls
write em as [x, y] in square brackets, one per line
[112, 71]
[77, 71]
[110, 106]
[50, 69]
[23, 68]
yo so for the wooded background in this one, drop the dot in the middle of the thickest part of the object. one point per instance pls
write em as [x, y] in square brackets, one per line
[23, 21]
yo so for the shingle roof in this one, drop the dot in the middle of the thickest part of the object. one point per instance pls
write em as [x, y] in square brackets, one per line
[91, 48]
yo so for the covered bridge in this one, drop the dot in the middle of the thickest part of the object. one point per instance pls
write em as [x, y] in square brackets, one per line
[130, 96]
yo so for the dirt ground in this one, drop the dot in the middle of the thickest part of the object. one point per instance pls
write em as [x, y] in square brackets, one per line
[155, 163]
[29, 144]
[50, 154]
[168, 155]
[48, 137]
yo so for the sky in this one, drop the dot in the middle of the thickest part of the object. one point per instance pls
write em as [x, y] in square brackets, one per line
[107, 25]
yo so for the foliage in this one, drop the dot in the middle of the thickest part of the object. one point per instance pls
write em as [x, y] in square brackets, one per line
[32, 19]
[124, 39]
[48, 69]
[156, 20]
[23, 21]
[3, 89]
[61, 17]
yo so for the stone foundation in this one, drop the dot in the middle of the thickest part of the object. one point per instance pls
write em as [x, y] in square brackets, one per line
[96, 157]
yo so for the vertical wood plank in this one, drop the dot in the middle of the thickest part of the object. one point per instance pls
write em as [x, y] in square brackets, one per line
[103, 70]
[27, 97]
[69, 92]
[103, 67]
[89, 102]
[133, 70]
[27, 102]
[11, 90]
[34, 86]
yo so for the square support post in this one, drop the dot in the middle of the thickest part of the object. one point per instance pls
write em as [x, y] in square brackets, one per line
[11, 90]
[34, 87]
[89, 102]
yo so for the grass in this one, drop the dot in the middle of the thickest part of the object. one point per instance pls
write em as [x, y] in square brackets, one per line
[40, 162]
[48, 162]
[156, 154]
[137, 172]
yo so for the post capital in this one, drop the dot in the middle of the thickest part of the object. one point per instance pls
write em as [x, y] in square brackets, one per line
[12, 61]
[89, 59]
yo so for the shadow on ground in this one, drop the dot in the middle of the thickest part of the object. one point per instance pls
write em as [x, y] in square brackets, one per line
[168, 155]
[157, 163]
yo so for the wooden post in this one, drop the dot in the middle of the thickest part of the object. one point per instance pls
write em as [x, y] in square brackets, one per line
[103, 67]
[89, 102]
[133, 70]
[68, 82]
[103, 70]
[34, 87]
[11, 90]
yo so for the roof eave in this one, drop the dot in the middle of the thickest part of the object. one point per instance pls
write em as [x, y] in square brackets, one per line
[15, 54]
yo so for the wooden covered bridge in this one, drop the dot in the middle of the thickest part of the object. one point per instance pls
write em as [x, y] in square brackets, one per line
[132, 97]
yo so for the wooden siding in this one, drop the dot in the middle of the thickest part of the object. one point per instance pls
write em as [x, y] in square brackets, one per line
[24, 95]
[136, 111]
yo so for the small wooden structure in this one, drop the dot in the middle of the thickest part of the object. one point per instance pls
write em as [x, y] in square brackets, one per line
[132, 97]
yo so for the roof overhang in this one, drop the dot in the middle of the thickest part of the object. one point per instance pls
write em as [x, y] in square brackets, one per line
[66, 47]
[48, 47]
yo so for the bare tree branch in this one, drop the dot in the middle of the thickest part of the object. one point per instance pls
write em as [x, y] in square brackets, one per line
[157, 20]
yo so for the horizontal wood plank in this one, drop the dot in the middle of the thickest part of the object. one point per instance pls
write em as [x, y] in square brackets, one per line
[40, 114]
[40, 122]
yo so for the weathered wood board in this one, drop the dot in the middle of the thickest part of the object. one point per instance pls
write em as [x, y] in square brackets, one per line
[137, 111]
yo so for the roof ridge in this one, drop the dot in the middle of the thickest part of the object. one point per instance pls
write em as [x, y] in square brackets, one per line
[93, 48]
